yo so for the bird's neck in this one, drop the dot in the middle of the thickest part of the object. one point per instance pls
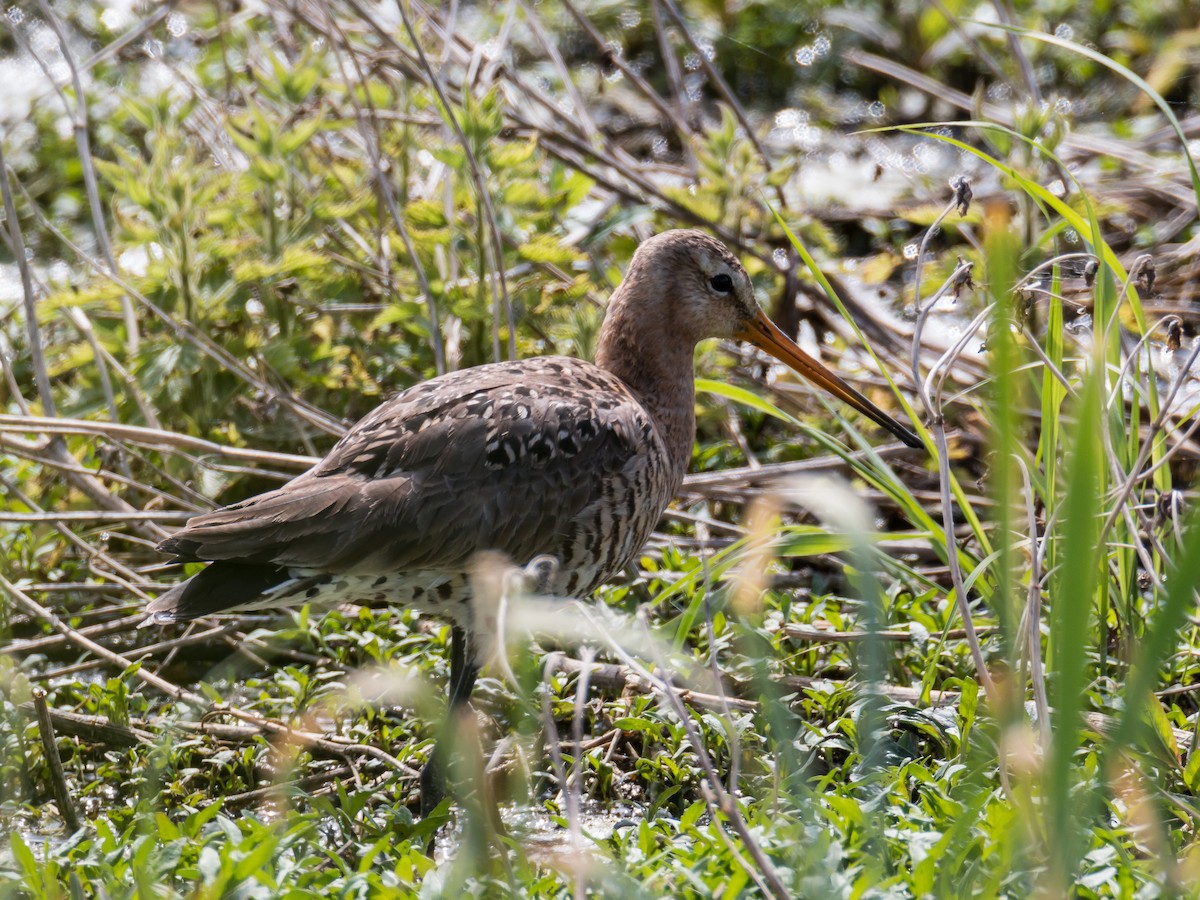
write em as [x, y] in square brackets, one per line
[658, 368]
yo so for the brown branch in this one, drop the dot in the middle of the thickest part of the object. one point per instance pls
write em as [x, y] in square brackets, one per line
[153, 438]
[93, 729]
[821, 635]
[96, 515]
[58, 777]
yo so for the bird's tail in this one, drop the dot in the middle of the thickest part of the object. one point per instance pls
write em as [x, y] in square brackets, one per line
[220, 587]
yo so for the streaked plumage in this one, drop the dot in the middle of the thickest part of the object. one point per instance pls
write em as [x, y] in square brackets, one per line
[548, 456]
[489, 458]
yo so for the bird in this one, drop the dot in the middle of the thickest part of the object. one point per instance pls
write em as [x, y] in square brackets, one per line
[548, 458]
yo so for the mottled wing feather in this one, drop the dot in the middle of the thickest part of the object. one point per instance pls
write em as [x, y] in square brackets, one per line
[497, 458]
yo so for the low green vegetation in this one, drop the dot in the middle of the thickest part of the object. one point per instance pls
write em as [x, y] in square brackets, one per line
[841, 668]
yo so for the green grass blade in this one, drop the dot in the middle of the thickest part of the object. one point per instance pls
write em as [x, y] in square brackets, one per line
[744, 397]
[1075, 584]
[1159, 642]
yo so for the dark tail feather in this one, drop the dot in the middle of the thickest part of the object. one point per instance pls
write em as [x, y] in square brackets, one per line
[222, 586]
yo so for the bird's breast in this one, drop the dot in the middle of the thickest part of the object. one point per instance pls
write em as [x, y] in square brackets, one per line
[608, 533]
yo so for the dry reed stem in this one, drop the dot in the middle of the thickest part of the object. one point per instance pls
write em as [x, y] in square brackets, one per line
[58, 777]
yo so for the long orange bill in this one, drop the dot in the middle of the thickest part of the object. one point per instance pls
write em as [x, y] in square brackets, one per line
[762, 333]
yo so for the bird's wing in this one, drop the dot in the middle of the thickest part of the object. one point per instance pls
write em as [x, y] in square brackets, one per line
[499, 457]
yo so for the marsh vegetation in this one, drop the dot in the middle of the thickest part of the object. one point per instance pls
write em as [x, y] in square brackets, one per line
[840, 668]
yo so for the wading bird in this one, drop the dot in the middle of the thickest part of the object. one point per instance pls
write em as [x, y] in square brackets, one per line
[548, 456]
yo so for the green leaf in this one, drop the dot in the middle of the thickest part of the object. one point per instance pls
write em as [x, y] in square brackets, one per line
[254, 862]
[632, 724]
[24, 857]
[1162, 729]
[298, 135]
[510, 153]
[300, 83]
[692, 815]
[661, 799]
[266, 170]
[197, 820]
[1191, 773]
[245, 142]
[548, 249]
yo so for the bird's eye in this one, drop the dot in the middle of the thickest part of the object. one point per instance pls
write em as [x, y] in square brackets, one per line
[722, 283]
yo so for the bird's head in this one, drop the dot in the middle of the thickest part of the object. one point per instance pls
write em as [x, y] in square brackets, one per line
[687, 286]
[701, 287]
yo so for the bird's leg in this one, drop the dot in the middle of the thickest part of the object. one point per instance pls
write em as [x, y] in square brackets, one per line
[463, 672]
